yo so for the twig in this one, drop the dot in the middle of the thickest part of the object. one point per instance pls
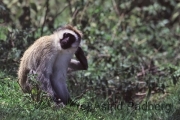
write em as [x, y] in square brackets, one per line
[60, 12]
[83, 11]
[47, 9]
[121, 17]
[75, 14]
[116, 8]
[70, 7]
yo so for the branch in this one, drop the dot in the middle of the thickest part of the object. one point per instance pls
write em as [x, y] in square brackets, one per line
[70, 7]
[117, 10]
[47, 9]
[57, 14]
[121, 17]
[75, 14]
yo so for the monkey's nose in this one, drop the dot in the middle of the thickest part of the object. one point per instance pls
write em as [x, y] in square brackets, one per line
[64, 40]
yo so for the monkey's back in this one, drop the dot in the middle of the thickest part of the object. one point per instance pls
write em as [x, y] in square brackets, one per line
[34, 58]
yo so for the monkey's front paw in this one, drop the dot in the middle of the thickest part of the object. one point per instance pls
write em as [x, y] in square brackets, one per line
[57, 106]
[81, 57]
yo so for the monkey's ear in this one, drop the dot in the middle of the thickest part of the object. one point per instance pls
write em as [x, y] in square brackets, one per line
[81, 57]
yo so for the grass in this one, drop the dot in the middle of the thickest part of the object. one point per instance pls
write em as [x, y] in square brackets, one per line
[16, 105]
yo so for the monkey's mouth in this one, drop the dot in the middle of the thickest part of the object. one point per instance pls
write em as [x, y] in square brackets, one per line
[66, 42]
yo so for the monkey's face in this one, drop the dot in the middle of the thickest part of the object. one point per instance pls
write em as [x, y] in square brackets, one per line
[69, 41]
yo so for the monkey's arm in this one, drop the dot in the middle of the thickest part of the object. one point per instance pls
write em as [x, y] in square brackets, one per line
[82, 64]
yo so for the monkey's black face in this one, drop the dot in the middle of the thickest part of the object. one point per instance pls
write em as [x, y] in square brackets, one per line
[67, 40]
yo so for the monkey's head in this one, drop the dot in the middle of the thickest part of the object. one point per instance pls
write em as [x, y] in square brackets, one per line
[68, 37]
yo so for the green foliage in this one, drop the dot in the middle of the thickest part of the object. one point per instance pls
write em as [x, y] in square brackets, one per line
[132, 49]
[3, 33]
[15, 105]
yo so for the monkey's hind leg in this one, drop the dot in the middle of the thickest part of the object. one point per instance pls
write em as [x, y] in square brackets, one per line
[31, 80]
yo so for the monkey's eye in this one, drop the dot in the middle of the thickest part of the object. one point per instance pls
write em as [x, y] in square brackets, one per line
[65, 35]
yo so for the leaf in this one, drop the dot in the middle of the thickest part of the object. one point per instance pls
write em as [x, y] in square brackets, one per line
[175, 15]
[3, 33]
[87, 74]
[33, 6]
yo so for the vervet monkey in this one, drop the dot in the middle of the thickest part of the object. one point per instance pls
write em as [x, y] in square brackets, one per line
[50, 57]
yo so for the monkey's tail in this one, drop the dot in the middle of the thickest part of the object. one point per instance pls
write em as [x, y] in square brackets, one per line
[22, 79]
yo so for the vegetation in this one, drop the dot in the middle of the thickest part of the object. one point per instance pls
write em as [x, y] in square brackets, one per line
[133, 55]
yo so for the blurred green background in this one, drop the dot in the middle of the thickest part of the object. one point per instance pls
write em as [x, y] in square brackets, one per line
[132, 49]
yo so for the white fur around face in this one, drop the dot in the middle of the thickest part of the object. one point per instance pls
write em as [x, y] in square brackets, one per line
[60, 33]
